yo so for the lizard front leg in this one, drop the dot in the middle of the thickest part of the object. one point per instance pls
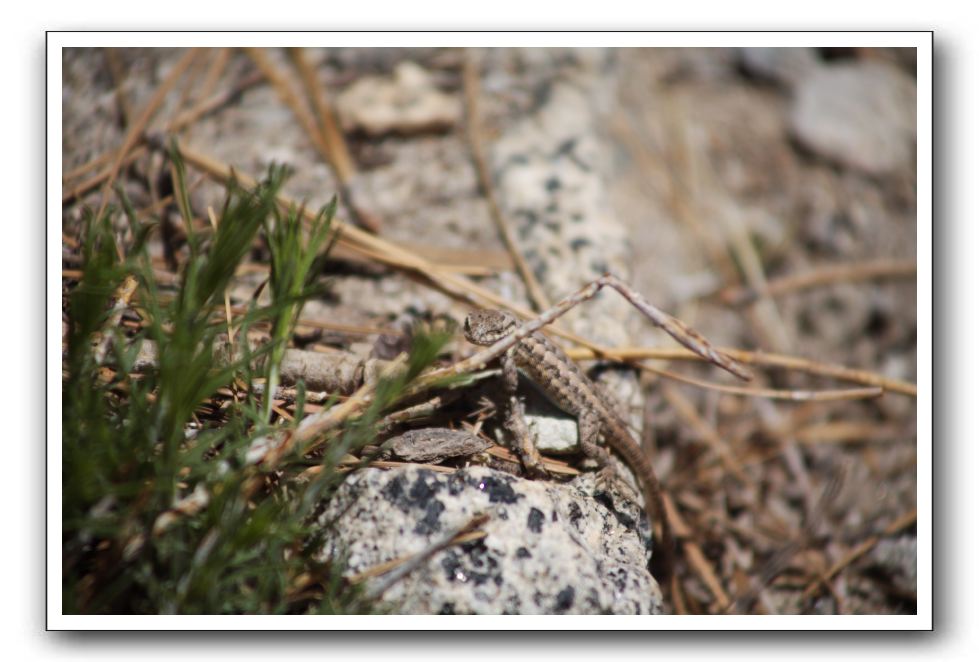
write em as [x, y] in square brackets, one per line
[516, 424]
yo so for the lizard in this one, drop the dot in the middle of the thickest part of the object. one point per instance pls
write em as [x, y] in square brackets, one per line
[564, 382]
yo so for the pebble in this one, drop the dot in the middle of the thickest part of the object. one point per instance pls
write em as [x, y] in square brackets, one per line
[860, 115]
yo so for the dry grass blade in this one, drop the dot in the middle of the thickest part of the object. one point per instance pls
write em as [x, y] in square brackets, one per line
[220, 62]
[842, 432]
[139, 126]
[757, 358]
[354, 239]
[309, 436]
[305, 118]
[705, 431]
[553, 466]
[183, 120]
[781, 559]
[289, 97]
[841, 273]
[461, 288]
[771, 393]
[764, 315]
[679, 331]
[227, 297]
[695, 557]
[118, 79]
[899, 524]
[466, 533]
[102, 159]
[336, 147]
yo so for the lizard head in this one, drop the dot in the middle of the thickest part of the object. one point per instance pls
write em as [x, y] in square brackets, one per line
[485, 327]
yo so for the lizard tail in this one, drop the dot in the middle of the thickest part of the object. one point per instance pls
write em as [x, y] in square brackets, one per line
[642, 468]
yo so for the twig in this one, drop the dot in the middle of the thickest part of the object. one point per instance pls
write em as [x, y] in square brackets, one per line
[394, 464]
[337, 153]
[309, 435]
[753, 358]
[902, 522]
[181, 121]
[466, 533]
[693, 554]
[336, 146]
[315, 426]
[137, 128]
[187, 88]
[385, 252]
[309, 125]
[784, 555]
[289, 97]
[705, 431]
[470, 76]
[118, 79]
[840, 273]
[836, 432]
[553, 466]
[677, 329]
[771, 393]
[215, 71]
[462, 289]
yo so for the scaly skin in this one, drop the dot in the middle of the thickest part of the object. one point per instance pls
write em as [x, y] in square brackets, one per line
[569, 387]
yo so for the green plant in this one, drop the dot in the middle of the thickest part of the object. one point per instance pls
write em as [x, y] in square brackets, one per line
[161, 511]
[293, 262]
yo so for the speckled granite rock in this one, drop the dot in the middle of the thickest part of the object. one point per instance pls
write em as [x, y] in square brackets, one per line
[550, 175]
[550, 548]
[551, 170]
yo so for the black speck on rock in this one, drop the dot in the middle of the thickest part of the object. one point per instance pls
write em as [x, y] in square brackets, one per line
[620, 579]
[530, 215]
[394, 492]
[499, 490]
[523, 553]
[458, 571]
[535, 520]
[447, 609]
[575, 515]
[430, 523]
[623, 518]
[552, 184]
[564, 600]
[567, 147]
[423, 491]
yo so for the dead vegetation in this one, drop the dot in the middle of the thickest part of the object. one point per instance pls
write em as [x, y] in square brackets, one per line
[795, 493]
